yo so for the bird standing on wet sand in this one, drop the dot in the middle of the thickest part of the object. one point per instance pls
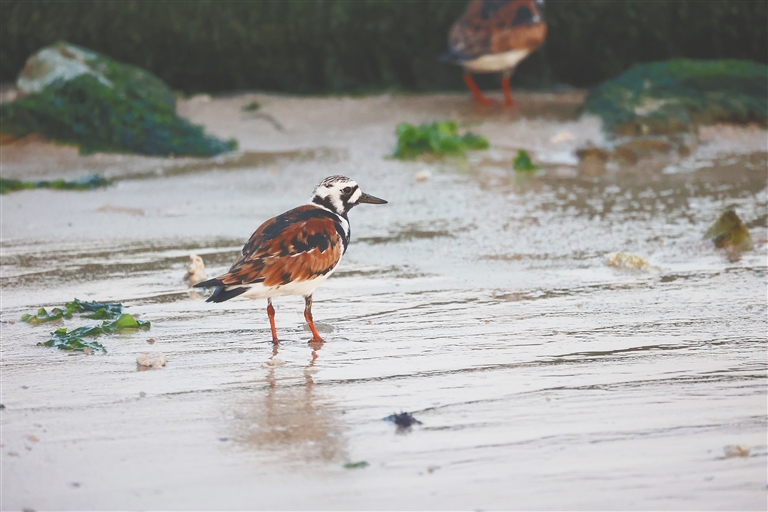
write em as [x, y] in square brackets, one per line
[493, 36]
[293, 253]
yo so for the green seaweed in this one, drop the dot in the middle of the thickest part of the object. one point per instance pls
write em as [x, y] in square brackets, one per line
[124, 321]
[251, 107]
[114, 320]
[73, 340]
[98, 310]
[64, 339]
[43, 316]
[356, 465]
[87, 183]
[114, 108]
[729, 232]
[521, 162]
[670, 96]
[439, 138]
[7, 185]
[110, 309]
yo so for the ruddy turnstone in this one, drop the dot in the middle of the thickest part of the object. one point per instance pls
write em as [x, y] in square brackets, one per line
[493, 36]
[293, 253]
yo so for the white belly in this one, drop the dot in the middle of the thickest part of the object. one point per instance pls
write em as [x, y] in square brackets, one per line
[495, 62]
[303, 288]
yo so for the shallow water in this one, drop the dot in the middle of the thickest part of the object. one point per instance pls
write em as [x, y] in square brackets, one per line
[478, 300]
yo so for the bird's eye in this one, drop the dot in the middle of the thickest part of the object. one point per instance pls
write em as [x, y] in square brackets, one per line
[347, 190]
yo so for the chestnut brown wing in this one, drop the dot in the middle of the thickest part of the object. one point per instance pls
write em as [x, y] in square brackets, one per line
[495, 26]
[296, 246]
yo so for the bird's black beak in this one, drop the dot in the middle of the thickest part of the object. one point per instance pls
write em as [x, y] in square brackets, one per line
[367, 198]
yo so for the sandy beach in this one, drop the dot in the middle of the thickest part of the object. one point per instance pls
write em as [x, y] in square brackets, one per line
[478, 299]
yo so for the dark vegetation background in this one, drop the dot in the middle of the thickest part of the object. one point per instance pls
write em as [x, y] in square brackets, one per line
[356, 46]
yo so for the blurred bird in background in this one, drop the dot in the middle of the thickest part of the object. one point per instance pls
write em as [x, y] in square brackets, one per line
[493, 36]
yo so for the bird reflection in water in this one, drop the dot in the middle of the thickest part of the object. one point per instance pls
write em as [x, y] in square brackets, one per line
[291, 419]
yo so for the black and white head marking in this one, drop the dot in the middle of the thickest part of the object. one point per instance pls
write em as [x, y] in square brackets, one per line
[338, 194]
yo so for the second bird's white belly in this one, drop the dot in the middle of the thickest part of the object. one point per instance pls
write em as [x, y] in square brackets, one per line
[496, 62]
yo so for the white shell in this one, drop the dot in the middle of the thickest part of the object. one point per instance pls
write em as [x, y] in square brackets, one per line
[152, 359]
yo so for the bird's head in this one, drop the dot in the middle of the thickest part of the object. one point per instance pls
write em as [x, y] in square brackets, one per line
[340, 194]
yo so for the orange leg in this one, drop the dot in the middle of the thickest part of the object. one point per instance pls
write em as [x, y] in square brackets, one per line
[476, 94]
[308, 318]
[508, 101]
[271, 315]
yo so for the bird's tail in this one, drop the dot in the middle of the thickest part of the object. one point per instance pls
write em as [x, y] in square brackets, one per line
[221, 293]
[452, 57]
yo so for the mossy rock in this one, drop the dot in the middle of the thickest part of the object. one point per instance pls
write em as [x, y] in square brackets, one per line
[79, 97]
[729, 232]
[673, 96]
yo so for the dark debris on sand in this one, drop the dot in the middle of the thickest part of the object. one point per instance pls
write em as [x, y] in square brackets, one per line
[403, 420]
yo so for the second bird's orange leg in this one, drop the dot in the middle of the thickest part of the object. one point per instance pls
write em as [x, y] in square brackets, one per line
[308, 318]
[476, 93]
[271, 315]
[508, 101]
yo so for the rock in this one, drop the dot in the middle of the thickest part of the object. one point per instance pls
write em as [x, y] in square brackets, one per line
[672, 96]
[64, 62]
[152, 360]
[629, 150]
[633, 149]
[656, 108]
[593, 152]
[195, 271]
[76, 96]
[728, 232]
[593, 160]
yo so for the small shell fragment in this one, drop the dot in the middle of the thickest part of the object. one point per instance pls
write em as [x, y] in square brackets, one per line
[423, 175]
[564, 136]
[152, 359]
[739, 450]
[629, 261]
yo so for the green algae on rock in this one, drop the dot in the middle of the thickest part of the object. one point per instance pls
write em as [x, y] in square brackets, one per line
[76, 96]
[439, 138]
[90, 182]
[671, 96]
[521, 162]
[728, 232]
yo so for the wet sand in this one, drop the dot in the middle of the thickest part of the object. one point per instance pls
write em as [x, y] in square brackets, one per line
[479, 300]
